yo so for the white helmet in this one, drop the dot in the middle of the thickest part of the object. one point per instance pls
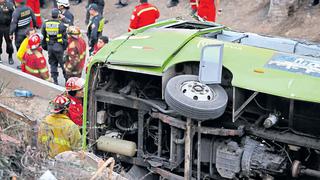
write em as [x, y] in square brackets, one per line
[64, 3]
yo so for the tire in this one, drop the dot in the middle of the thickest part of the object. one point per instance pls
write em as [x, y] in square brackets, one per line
[193, 107]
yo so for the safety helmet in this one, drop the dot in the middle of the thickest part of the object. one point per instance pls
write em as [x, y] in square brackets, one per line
[60, 103]
[64, 3]
[73, 30]
[74, 84]
[94, 6]
[34, 41]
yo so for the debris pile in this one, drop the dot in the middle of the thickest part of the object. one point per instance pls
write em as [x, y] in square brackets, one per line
[14, 136]
[19, 158]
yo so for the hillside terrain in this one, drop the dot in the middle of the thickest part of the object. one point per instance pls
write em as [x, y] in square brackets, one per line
[240, 15]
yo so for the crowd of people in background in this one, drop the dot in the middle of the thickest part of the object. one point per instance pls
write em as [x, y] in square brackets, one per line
[67, 48]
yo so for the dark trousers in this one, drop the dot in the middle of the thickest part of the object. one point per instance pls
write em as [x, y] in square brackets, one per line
[55, 53]
[42, 3]
[55, 3]
[4, 33]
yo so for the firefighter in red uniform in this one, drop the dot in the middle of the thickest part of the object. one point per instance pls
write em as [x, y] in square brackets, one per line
[76, 53]
[207, 9]
[35, 6]
[194, 6]
[35, 63]
[74, 88]
[143, 15]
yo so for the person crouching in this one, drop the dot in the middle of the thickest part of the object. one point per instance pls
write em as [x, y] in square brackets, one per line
[57, 133]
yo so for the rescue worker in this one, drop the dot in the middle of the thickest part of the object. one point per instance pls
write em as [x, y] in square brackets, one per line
[95, 26]
[76, 53]
[6, 11]
[207, 9]
[74, 89]
[35, 6]
[24, 47]
[55, 41]
[21, 19]
[65, 15]
[103, 40]
[100, 8]
[35, 63]
[194, 6]
[57, 133]
[143, 15]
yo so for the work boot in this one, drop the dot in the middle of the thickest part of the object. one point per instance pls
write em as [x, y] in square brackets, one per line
[121, 5]
[314, 3]
[10, 59]
[172, 3]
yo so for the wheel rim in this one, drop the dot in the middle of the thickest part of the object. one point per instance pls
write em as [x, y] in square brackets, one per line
[197, 91]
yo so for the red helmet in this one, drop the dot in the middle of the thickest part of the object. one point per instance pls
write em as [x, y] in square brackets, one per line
[60, 103]
[74, 84]
[34, 41]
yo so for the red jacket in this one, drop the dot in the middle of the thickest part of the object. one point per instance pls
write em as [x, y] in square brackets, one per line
[207, 10]
[96, 49]
[75, 112]
[193, 4]
[35, 6]
[36, 64]
[76, 52]
[143, 15]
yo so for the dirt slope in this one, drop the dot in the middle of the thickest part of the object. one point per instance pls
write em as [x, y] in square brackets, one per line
[241, 15]
[251, 16]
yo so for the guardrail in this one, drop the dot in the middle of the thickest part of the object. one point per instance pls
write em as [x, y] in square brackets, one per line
[20, 80]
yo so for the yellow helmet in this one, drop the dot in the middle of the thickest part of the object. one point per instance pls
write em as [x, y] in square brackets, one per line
[73, 30]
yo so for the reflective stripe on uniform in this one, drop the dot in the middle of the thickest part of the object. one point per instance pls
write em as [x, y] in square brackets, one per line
[193, 3]
[24, 22]
[147, 9]
[52, 29]
[56, 140]
[31, 70]
[43, 70]
[58, 39]
[101, 24]
[82, 55]
[37, 14]
[36, 71]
